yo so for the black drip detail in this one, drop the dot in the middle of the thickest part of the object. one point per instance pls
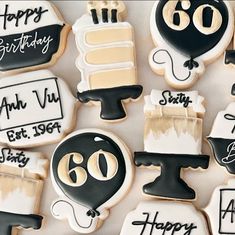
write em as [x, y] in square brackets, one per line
[93, 213]
[114, 15]
[94, 16]
[105, 15]
[10, 220]
[190, 64]
[169, 184]
[111, 99]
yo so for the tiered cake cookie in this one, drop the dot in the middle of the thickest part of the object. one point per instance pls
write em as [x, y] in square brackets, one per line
[21, 182]
[91, 171]
[188, 34]
[36, 108]
[32, 35]
[221, 209]
[107, 58]
[172, 140]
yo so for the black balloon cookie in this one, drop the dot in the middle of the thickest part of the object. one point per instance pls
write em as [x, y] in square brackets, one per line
[107, 58]
[21, 182]
[172, 140]
[32, 35]
[36, 108]
[222, 138]
[91, 171]
[188, 34]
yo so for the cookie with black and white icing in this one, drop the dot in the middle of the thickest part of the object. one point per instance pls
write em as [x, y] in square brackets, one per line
[36, 108]
[106, 59]
[221, 208]
[172, 141]
[222, 138]
[22, 174]
[32, 35]
[165, 217]
[91, 171]
[188, 35]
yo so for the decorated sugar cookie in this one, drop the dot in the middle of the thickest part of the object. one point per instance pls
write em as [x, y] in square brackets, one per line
[172, 140]
[32, 35]
[91, 171]
[21, 182]
[188, 35]
[220, 210]
[222, 138]
[106, 58]
[164, 217]
[173, 122]
[36, 108]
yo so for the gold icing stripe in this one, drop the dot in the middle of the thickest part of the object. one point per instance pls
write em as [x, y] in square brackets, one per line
[112, 35]
[113, 78]
[110, 55]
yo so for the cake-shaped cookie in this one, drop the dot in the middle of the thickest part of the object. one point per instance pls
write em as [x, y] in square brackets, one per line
[21, 182]
[32, 35]
[91, 171]
[188, 34]
[172, 140]
[106, 58]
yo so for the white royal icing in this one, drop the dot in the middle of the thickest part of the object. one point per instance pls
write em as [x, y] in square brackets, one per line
[36, 108]
[164, 218]
[12, 203]
[174, 99]
[47, 18]
[171, 142]
[165, 59]
[34, 162]
[18, 189]
[80, 28]
[224, 127]
[221, 209]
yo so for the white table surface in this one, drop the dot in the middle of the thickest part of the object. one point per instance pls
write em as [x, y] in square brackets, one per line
[214, 85]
